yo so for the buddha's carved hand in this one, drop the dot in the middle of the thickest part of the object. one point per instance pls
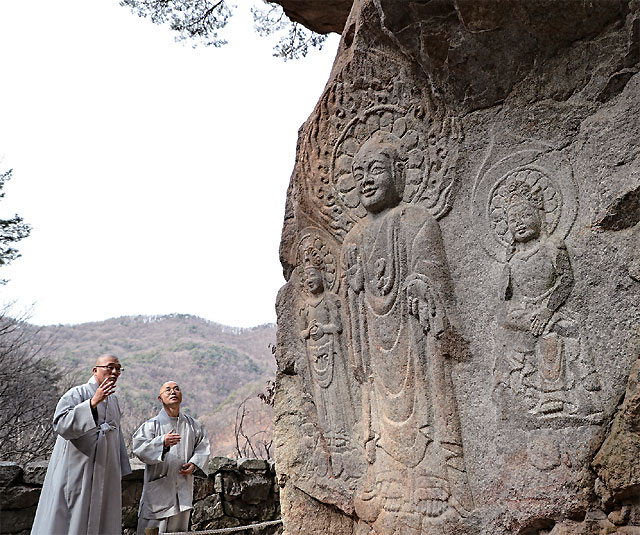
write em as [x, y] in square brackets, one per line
[370, 450]
[316, 331]
[358, 373]
[420, 302]
[540, 320]
[354, 270]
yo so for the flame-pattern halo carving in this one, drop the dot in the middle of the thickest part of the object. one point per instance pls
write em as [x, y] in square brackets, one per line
[554, 192]
[313, 250]
[533, 182]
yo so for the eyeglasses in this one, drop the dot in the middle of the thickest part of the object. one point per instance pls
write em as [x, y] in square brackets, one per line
[112, 368]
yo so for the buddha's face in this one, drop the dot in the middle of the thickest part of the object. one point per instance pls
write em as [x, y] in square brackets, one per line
[313, 280]
[524, 221]
[375, 174]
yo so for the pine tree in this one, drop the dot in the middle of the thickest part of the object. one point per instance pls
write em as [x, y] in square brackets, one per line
[11, 230]
[199, 22]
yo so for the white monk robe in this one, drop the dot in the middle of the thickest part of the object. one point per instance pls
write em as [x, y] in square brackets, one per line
[166, 492]
[82, 493]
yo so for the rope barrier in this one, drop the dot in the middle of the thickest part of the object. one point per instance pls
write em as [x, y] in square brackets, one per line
[229, 530]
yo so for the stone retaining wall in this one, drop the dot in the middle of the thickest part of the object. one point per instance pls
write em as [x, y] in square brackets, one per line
[236, 493]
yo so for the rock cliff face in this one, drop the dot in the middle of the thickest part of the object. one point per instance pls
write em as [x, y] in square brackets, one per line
[459, 327]
[321, 17]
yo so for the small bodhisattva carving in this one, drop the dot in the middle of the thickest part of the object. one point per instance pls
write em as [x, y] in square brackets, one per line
[320, 329]
[546, 365]
[399, 312]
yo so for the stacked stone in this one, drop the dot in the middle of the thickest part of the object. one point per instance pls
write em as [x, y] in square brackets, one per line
[19, 492]
[236, 493]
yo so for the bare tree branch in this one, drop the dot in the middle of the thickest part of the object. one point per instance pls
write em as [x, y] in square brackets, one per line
[30, 386]
[253, 438]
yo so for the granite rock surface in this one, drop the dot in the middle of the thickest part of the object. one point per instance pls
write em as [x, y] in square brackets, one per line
[459, 333]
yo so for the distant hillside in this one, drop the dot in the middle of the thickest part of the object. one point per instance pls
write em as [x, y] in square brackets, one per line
[216, 366]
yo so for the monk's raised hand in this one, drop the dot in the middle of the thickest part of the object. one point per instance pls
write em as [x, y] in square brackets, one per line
[171, 438]
[187, 468]
[106, 388]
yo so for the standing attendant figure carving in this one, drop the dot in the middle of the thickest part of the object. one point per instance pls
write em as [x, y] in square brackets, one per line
[321, 327]
[400, 314]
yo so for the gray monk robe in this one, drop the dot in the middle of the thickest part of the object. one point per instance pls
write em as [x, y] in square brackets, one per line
[166, 492]
[82, 492]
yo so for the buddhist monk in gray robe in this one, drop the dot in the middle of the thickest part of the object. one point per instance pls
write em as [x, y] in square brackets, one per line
[82, 492]
[174, 447]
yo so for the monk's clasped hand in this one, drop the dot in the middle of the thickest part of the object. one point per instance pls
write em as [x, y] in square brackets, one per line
[187, 469]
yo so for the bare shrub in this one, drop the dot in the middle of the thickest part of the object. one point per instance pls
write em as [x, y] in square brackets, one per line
[253, 429]
[30, 386]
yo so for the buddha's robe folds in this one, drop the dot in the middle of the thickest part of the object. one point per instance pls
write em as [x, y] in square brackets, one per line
[82, 493]
[166, 492]
[402, 355]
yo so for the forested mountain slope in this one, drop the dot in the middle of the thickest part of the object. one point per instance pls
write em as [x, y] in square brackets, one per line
[218, 367]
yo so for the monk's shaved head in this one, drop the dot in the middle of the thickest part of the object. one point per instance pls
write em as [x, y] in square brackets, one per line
[107, 366]
[168, 384]
[105, 359]
[171, 397]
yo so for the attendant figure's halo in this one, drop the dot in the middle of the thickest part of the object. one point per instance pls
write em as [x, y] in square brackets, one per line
[313, 251]
[528, 183]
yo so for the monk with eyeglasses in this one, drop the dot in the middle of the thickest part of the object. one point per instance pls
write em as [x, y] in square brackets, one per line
[175, 448]
[82, 493]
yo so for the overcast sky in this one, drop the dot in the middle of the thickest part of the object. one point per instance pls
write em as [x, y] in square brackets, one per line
[153, 174]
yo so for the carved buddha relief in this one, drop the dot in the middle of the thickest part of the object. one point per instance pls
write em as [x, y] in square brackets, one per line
[378, 193]
[543, 369]
[400, 314]
[321, 329]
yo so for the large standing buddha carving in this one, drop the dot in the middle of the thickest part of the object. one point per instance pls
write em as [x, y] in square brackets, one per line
[400, 324]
